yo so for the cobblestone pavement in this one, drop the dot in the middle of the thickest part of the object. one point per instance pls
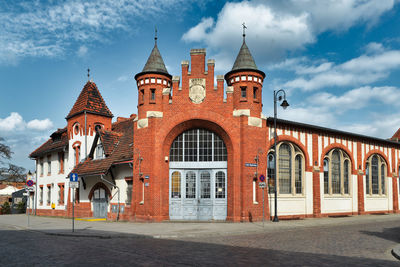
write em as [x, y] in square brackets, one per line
[360, 243]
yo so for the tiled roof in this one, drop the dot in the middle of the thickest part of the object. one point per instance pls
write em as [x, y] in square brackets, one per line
[90, 100]
[244, 59]
[155, 63]
[58, 141]
[109, 140]
[118, 147]
[396, 136]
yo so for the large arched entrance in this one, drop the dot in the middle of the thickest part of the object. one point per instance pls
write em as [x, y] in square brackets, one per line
[198, 176]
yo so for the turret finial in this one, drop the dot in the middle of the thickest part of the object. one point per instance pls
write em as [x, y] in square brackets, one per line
[244, 30]
[88, 74]
[155, 35]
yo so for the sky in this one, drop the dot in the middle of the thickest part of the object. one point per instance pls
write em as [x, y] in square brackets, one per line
[338, 61]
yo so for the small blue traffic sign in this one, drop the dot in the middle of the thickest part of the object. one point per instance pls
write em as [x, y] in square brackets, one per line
[29, 183]
[73, 177]
[262, 178]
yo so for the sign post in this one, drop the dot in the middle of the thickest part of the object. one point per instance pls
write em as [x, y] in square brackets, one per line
[73, 183]
[262, 185]
[28, 188]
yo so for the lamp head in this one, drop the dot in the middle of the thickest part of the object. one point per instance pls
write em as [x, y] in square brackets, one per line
[284, 104]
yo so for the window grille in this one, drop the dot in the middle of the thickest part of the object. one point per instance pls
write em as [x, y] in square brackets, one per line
[243, 92]
[346, 177]
[205, 145]
[99, 151]
[220, 185]
[335, 172]
[205, 184]
[285, 176]
[48, 195]
[326, 176]
[190, 184]
[198, 145]
[374, 175]
[271, 172]
[176, 185]
[383, 179]
[297, 173]
[367, 178]
[129, 192]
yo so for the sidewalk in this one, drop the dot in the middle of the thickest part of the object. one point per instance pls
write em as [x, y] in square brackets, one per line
[170, 230]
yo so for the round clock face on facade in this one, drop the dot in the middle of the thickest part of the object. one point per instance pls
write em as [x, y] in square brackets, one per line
[197, 91]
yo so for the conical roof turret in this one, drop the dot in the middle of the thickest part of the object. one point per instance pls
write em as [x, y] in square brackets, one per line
[244, 60]
[91, 101]
[155, 63]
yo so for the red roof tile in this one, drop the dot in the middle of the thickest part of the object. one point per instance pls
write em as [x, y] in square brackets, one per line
[90, 100]
[58, 141]
[118, 147]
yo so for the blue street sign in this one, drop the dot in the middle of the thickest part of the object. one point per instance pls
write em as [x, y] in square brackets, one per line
[262, 178]
[250, 164]
[73, 177]
[29, 183]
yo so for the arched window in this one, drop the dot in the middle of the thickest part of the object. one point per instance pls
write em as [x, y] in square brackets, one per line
[198, 145]
[375, 175]
[337, 170]
[290, 163]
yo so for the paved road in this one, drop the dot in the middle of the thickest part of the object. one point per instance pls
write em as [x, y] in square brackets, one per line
[357, 241]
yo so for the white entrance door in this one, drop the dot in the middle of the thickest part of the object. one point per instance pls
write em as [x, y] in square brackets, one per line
[198, 194]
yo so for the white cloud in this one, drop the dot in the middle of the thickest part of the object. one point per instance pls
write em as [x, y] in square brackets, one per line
[365, 69]
[36, 29]
[12, 122]
[40, 125]
[15, 123]
[276, 27]
[82, 51]
[358, 98]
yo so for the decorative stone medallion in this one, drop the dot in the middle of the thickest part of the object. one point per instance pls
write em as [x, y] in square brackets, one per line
[197, 90]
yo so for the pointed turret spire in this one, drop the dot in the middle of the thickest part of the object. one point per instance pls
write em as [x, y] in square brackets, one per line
[91, 101]
[244, 59]
[155, 63]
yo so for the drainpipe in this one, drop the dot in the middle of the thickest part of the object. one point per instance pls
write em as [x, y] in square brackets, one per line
[114, 185]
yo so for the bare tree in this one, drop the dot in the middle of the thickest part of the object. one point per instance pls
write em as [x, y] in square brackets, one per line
[5, 151]
[13, 172]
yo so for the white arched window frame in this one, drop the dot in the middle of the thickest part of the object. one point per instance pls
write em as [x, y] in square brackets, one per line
[337, 173]
[290, 164]
[375, 178]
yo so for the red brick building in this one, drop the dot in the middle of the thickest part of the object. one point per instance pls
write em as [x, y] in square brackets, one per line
[190, 153]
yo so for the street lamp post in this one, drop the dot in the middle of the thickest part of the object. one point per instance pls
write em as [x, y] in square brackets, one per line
[284, 104]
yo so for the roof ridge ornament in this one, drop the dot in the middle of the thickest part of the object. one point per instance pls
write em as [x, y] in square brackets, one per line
[244, 31]
[88, 74]
[155, 35]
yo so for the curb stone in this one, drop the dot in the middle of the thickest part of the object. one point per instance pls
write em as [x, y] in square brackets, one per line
[396, 252]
